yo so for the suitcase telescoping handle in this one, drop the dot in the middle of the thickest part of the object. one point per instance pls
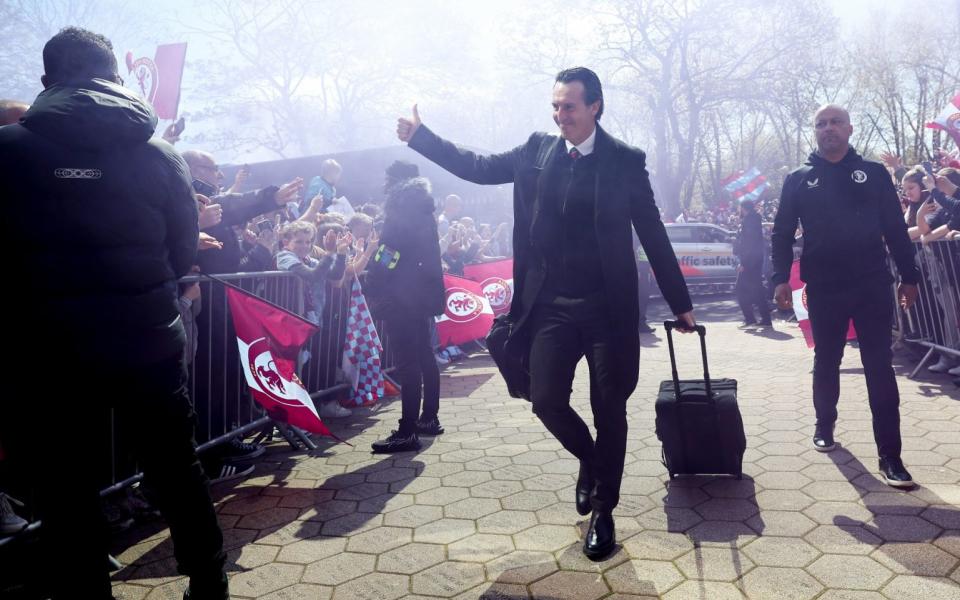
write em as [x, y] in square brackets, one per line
[669, 326]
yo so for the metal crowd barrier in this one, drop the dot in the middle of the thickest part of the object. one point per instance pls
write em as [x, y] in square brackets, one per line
[933, 322]
[217, 385]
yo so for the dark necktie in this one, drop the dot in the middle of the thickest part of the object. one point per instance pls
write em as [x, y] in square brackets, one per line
[575, 154]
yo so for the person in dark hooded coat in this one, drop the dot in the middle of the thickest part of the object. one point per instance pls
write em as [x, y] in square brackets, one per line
[405, 289]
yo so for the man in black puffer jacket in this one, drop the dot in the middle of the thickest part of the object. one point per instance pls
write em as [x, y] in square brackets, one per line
[405, 289]
[108, 221]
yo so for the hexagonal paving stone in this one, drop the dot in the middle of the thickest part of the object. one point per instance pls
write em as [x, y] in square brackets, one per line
[843, 540]
[311, 550]
[521, 567]
[528, 500]
[465, 479]
[265, 579]
[701, 590]
[506, 522]
[385, 503]
[411, 558]
[728, 487]
[714, 564]
[517, 472]
[915, 559]
[643, 577]
[268, 518]
[339, 568]
[331, 509]
[947, 517]
[849, 572]
[825, 513]
[392, 474]
[442, 496]
[413, 516]
[851, 595]
[300, 591]
[549, 481]
[721, 533]
[911, 587]
[781, 552]
[781, 522]
[726, 509]
[949, 541]
[777, 583]
[471, 508]
[374, 586]
[481, 547]
[444, 531]
[633, 506]
[669, 519]
[351, 524]
[683, 497]
[549, 538]
[379, 539]
[782, 500]
[448, 579]
[249, 505]
[782, 480]
[839, 491]
[561, 513]
[569, 585]
[659, 545]
[496, 489]
[901, 528]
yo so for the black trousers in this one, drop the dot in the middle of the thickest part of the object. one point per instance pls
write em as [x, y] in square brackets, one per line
[417, 370]
[643, 288]
[153, 408]
[870, 306]
[562, 332]
[751, 293]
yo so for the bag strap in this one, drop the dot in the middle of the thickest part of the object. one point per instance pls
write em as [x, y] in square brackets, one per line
[669, 326]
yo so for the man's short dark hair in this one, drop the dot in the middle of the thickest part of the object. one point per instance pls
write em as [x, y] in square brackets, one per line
[592, 90]
[77, 53]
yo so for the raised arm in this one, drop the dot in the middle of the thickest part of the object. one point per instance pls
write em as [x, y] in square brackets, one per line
[465, 164]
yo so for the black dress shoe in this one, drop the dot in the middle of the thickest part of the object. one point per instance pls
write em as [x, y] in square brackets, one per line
[894, 473]
[429, 426]
[397, 442]
[601, 537]
[584, 487]
[823, 438]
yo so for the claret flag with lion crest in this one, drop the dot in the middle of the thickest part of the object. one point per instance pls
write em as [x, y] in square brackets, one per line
[467, 314]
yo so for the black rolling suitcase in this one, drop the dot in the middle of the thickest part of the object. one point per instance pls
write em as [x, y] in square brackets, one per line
[698, 421]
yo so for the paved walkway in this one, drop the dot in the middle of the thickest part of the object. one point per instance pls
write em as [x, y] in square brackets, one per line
[486, 510]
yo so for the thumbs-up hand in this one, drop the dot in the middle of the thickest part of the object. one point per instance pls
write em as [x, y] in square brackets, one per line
[407, 127]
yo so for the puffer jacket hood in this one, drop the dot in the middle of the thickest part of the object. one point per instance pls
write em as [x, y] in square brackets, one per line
[413, 195]
[91, 114]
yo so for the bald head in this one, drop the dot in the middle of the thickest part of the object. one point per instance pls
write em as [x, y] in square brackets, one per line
[203, 166]
[11, 111]
[832, 108]
[831, 124]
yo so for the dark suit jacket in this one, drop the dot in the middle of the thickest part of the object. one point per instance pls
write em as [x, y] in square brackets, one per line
[624, 196]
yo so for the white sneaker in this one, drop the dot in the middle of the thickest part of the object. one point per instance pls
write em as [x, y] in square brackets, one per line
[442, 359]
[955, 370]
[333, 410]
[941, 366]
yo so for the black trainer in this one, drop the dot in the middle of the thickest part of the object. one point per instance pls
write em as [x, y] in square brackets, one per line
[894, 473]
[397, 442]
[237, 450]
[823, 438]
[645, 328]
[429, 426]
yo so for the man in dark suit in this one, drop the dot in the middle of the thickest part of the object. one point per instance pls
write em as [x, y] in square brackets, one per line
[575, 275]
[750, 250]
